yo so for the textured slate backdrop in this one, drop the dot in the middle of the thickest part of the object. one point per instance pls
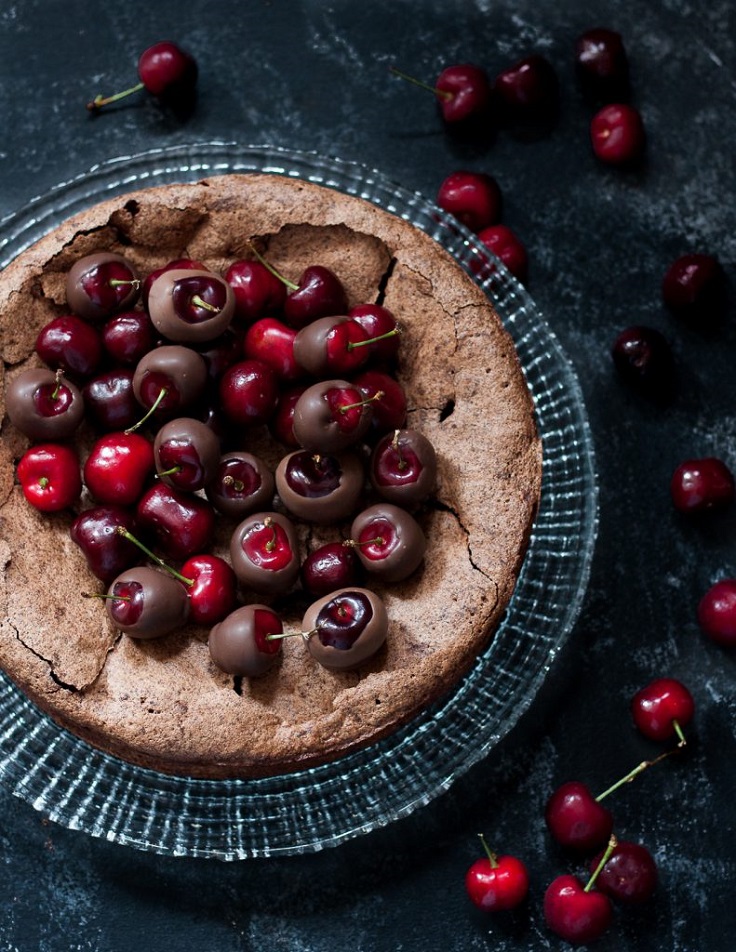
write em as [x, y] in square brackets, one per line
[313, 75]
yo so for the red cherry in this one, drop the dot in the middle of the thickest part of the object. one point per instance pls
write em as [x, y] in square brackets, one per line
[182, 524]
[617, 134]
[165, 70]
[118, 467]
[575, 913]
[50, 477]
[698, 485]
[717, 612]
[70, 344]
[643, 359]
[212, 592]
[497, 882]
[272, 342]
[109, 400]
[129, 336]
[602, 65]
[281, 424]
[694, 288]
[629, 875]
[576, 819]
[463, 92]
[318, 293]
[389, 409]
[333, 565]
[380, 326]
[528, 90]
[662, 708]
[249, 392]
[504, 244]
[258, 291]
[474, 198]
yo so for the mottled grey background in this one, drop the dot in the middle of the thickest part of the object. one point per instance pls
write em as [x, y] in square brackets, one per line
[313, 75]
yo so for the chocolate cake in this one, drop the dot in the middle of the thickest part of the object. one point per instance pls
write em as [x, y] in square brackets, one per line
[163, 703]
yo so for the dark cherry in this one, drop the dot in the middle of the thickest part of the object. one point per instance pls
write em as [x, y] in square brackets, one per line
[333, 565]
[662, 708]
[264, 553]
[528, 90]
[170, 378]
[602, 65]
[96, 533]
[211, 588]
[318, 293]
[576, 819]
[146, 603]
[182, 524]
[507, 246]
[219, 355]
[249, 392]
[320, 488]
[700, 485]
[345, 628]
[129, 336]
[70, 344]
[242, 644]
[109, 400]
[101, 284]
[330, 416]
[49, 475]
[494, 883]
[403, 467]
[118, 467]
[331, 347]
[179, 264]
[166, 71]
[694, 288]
[272, 342]
[617, 134]
[717, 612]
[629, 876]
[463, 92]
[380, 326]
[189, 307]
[643, 358]
[281, 424]
[242, 484]
[44, 405]
[574, 912]
[474, 198]
[389, 542]
[186, 452]
[387, 397]
[258, 291]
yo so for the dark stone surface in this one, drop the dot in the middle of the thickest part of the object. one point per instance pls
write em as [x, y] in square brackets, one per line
[314, 75]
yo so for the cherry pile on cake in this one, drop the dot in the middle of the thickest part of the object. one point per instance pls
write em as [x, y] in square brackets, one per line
[269, 470]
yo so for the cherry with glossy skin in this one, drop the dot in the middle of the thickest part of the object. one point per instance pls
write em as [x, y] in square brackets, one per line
[331, 416]
[576, 819]
[43, 405]
[186, 454]
[242, 484]
[118, 467]
[272, 342]
[49, 475]
[281, 424]
[507, 246]
[463, 92]
[629, 875]
[617, 135]
[387, 397]
[219, 355]
[320, 488]
[495, 883]
[662, 708]
[189, 307]
[643, 359]
[101, 284]
[379, 324]
[146, 603]
[700, 485]
[70, 344]
[249, 392]
[345, 628]
[332, 347]
[332, 566]
[403, 467]
[109, 400]
[165, 71]
[576, 912]
[170, 379]
[127, 337]
[474, 198]
[528, 90]
[107, 551]
[242, 643]
[211, 587]
[694, 288]
[264, 552]
[389, 542]
[182, 524]
[602, 65]
[258, 291]
[717, 613]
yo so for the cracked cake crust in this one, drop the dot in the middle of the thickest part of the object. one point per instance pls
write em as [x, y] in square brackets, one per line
[163, 704]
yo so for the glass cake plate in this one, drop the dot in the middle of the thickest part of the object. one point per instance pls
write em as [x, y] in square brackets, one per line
[82, 788]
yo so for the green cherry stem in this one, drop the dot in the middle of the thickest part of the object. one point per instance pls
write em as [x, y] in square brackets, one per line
[105, 595]
[99, 101]
[121, 530]
[681, 741]
[644, 765]
[198, 301]
[394, 332]
[279, 636]
[169, 472]
[440, 93]
[492, 859]
[612, 844]
[57, 387]
[154, 406]
[269, 267]
[362, 403]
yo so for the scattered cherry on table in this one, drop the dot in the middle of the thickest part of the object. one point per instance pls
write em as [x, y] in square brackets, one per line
[717, 612]
[662, 708]
[495, 883]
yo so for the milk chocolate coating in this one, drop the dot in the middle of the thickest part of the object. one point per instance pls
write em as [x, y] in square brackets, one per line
[183, 366]
[170, 290]
[23, 414]
[310, 345]
[118, 300]
[258, 485]
[198, 447]
[315, 426]
[266, 581]
[233, 643]
[408, 547]
[419, 482]
[365, 645]
[165, 603]
[312, 504]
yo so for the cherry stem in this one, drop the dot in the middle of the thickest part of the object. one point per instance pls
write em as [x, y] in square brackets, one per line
[43, 482]
[200, 302]
[440, 93]
[489, 853]
[162, 393]
[396, 447]
[379, 540]
[121, 530]
[271, 544]
[274, 272]
[635, 773]
[362, 403]
[57, 387]
[279, 636]
[612, 844]
[237, 484]
[681, 741]
[169, 472]
[119, 282]
[113, 598]
[99, 101]
[373, 340]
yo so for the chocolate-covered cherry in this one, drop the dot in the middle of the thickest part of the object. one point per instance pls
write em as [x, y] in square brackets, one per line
[101, 284]
[178, 264]
[380, 325]
[617, 134]
[49, 474]
[319, 487]
[389, 542]
[629, 875]
[70, 344]
[258, 291]
[117, 468]
[129, 336]
[107, 551]
[694, 288]
[331, 415]
[211, 586]
[109, 400]
[249, 392]
[662, 708]
[326, 347]
[332, 566]
[387, 398]
[272, 342]
[474, 198]
[44, 405]
[170, 379]
[643, 359]
[241, 644]
[191, 306]
[602, 65]
[146, 603]
[242, 484]
[717, 612]
[403, 467]
[345, 628]
[700, 485]
[264, 552]
[183, 524]
[186, 453]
